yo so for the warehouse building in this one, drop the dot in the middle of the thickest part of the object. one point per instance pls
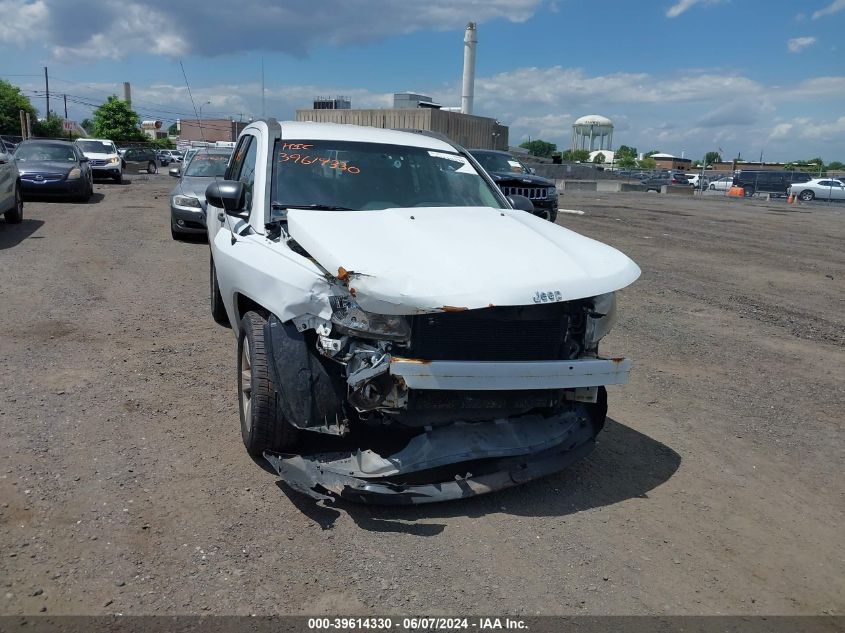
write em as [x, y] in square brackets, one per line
[417, 112]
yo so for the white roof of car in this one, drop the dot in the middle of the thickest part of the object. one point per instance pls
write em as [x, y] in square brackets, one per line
[99, 140]
[306, 130]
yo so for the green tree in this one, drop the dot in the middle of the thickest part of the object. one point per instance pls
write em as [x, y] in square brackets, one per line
[652, 153]
[539, 148]
[835, 165]
[172, 130]
[11, 104]
[599, 158]
[116, 121]
[648, 162]
[626, 162]
[625, 151]
[51, 127]
[711, 158]
[87, 125]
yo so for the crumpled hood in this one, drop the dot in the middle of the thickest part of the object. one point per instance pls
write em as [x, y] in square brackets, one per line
[402, 261]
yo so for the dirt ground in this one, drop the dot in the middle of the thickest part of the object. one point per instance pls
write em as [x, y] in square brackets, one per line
[716, 487]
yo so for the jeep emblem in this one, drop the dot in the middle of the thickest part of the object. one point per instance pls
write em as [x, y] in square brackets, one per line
[548, 296]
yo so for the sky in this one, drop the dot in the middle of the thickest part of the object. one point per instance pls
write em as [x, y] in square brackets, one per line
[743, 77]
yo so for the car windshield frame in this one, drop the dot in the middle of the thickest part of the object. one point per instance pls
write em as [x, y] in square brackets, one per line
[220, 160]
[45, 150]
[353, 175]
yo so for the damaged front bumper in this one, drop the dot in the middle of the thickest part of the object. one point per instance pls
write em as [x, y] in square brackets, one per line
[449, 462]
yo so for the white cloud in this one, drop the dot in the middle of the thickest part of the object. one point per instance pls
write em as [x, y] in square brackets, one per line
[806, 129]
[798, 44]
[834, 7]
[682, 6]
[89, 28]
[22, 21]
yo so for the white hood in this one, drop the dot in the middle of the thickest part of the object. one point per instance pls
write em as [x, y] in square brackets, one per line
[401, 261]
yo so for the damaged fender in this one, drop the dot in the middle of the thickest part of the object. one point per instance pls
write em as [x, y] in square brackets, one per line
[310, 398]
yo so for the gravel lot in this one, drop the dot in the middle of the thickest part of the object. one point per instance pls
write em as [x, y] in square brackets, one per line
[716, 487]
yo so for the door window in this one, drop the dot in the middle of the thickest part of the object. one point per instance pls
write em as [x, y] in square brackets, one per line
[243, 167]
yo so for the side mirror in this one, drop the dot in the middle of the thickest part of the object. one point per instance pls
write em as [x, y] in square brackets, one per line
[227, 195]
[532, 171]
[84, 159]
[176, 172]
[522, 203]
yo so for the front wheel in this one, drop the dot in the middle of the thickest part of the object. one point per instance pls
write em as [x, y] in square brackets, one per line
[15, 214]
[748, 192]
[806, 195]
[151, 168]
[262, 426]
[712, 187]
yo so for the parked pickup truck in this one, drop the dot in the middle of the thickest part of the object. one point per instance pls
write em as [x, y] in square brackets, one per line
[406, 333]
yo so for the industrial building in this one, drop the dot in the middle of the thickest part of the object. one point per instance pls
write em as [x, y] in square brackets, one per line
[414, 111]
[209, 129]
[465, 129]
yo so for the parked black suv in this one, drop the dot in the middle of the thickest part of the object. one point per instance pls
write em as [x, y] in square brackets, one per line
[768, 181]
[514, 178]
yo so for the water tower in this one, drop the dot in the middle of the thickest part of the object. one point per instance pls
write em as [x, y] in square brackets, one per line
[592, 132]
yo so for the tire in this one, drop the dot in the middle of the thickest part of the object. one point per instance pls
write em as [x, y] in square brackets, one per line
[262, 427]
[553, 216]
[15, 214]
[749, 191]
[806, 195]
[175, 234]
[85, 196]
[712, 187]
[151, 168]
[118, 178]
[218, 310]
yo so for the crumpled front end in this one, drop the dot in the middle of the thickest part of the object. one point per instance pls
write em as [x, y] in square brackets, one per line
[448, 462]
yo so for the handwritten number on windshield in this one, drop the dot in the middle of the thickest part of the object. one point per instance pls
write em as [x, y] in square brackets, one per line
[301, 159]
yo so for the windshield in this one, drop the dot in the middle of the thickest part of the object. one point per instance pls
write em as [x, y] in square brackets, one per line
[207, 165]
[37, 151]
[348, 175]
[493, 161]
[96, 147]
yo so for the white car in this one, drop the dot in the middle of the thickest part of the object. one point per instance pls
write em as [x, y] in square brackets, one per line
[11, 196]
[103, 157]
[697, 180]
[820, 189]
[722, 184]
[393, 308]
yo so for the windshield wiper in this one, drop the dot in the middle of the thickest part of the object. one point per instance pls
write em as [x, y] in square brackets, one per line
[316, 207]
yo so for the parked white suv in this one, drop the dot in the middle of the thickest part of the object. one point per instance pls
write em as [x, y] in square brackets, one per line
[102, 157]
[11, 196]
[404, 333]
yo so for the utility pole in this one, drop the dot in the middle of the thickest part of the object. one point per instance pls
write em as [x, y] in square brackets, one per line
[69, 132]
[47, 88]
[263, 113]
[23, 124]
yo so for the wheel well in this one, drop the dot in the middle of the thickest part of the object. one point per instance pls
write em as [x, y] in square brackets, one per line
[245, 304]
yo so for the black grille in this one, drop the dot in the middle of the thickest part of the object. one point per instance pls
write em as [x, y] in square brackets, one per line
[532, 193]
[522, 333]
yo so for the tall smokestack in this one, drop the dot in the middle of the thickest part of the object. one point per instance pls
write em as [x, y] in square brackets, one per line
[127, 94]
[468, 92]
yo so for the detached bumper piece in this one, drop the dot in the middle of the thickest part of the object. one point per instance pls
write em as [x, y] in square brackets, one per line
[449, 462]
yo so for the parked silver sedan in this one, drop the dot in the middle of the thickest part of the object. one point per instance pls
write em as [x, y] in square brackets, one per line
[187, 200]
[819, 189]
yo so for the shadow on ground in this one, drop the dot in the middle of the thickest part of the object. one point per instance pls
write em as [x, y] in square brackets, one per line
[13, 234]
[96, 198]
[625, 464]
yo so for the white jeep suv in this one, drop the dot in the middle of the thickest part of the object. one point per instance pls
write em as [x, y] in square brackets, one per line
[404, 333]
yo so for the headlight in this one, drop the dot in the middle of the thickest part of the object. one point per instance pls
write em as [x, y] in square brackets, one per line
[74, 173]
[601, 319]
[186, 201]
[349, 318]
[551, 192]
[114, 161]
